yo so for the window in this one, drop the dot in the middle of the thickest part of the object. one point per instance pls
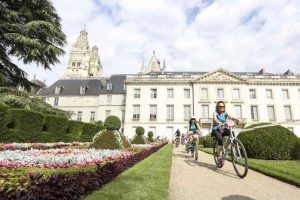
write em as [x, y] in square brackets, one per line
[285, 94]
[79, 115]
[269, 94]
[153, 93]
[170, 93]
[187, 93]
[236, 93]
[204, 93]
[220, 93]
[124, 86]
[238, 111]
[57, 90]
[78, 64]
[254, 113]
[92, 119]
[271, 113]
[136, 112]
[205, 111]
[123, 115]
[55, 101]
[108, 99]
[82, 90]
[252, 93]
[108, 113]
[73, 64]
[137, 93]
[170, 112]
[288, 113]
[187, 112]
[153, 112]
[109, 86]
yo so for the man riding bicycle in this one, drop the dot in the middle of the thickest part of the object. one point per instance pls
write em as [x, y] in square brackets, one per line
[193, 131]
[177, 136]
[219, 118]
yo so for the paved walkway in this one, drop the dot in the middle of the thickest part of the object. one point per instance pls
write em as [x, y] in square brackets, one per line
[201, 179]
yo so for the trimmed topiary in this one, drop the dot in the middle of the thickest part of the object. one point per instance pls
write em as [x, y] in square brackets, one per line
[107, 139]
[208, 141]
[126, 142]
[55, 128]
[89, 131]
[139, 139]
[150, 137]
[4, 121]
[269, 143]
[297, 150]
[112, 123]
[140, 130]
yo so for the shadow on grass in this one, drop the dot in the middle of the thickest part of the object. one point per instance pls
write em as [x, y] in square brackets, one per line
[237, 197]
[211, 167]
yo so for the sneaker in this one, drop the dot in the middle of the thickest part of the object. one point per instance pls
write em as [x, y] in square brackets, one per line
[220, 161]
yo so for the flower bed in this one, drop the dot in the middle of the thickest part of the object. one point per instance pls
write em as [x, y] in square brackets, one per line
[142, 145]
[27, 146]
[74, 186]
[58, 158]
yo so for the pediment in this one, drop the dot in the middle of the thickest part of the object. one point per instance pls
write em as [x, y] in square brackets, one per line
[220, 75]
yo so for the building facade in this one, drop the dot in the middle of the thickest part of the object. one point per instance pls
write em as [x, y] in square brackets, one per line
[163, 101]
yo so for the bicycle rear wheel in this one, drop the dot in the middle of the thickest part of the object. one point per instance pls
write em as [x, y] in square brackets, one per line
[196, 152]
[215, 153]
[239, 158]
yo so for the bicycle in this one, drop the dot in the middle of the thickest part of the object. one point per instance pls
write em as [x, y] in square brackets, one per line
[194, 147]
[237, 150]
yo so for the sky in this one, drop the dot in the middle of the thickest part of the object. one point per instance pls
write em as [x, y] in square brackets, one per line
[191, 35]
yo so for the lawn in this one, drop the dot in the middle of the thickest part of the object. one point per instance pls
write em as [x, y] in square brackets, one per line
[285, 170]
[148, 179]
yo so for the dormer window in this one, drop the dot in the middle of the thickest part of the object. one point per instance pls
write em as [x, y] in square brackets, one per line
[109, 86]
[58, 90]
[124, 86]
[186, 75]
[83, 89]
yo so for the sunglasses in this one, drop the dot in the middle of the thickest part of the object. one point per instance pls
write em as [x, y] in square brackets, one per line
[221, 106]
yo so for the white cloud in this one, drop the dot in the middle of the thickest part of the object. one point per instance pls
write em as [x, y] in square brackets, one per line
[237, 35]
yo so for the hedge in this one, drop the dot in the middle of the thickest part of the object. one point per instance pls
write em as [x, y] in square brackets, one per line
[55, 127]
[27, 125]
[258, 124]
[4, 121]
[75, 130]
[269, 143]
[140, 130]
[89, 132]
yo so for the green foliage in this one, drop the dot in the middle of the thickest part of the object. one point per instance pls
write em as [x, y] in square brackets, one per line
[89, 132]
[27, 125]
[208, 141]
[75, 130]
[112, 123]
[270, 143]
[4, 121]
[107, 139]
[55, 128]
[150, 137]
[31, 32]
[126, 142]
[258, 124]
[140, 130]
[297, 150]
[14, 101]
[138, 139]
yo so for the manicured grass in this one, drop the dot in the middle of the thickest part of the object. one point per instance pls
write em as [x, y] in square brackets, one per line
[285, 170]
[148, 179]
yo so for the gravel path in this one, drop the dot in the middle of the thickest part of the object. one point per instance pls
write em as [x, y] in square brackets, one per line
[201, 179]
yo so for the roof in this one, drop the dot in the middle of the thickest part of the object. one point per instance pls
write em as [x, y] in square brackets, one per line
[95, 87]
[38, 82]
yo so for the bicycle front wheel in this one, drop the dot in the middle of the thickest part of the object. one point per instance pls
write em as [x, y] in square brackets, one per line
[239, 158]
[215, 154]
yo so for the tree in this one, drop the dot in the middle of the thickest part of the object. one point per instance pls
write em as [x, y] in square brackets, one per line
[31, 32]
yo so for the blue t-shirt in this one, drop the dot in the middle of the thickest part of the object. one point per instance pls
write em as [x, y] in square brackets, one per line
[221, 118]
[193, 128]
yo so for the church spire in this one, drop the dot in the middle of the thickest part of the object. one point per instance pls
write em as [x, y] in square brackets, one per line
[153, 66]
